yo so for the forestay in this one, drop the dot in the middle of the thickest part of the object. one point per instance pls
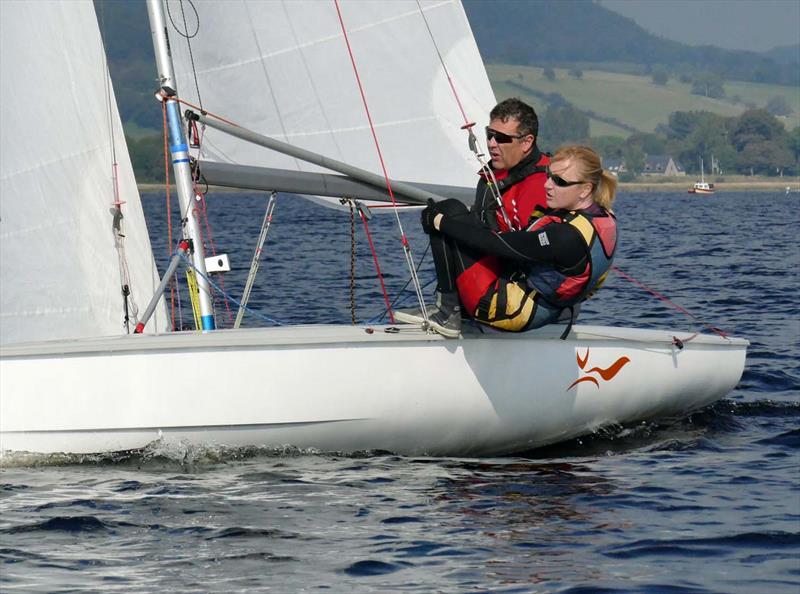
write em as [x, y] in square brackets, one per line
[59, 269]
[283, 70]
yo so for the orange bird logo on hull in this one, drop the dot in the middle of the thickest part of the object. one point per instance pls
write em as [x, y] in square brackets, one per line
[606, 374]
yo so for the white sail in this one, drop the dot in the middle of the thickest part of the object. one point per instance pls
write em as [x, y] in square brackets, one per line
[59, 268]
[282, 69]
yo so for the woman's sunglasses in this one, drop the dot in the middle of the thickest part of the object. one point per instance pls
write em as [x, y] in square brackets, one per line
[500, 137]
[560, 181]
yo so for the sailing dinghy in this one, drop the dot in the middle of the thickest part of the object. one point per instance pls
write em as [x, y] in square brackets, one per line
[74, 380]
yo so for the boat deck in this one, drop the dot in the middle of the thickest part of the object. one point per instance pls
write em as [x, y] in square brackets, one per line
[339, 334]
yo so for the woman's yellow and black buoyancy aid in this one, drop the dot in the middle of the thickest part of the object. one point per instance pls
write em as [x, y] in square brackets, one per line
[544, 293]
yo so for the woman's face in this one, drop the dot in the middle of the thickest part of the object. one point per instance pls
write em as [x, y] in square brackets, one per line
[564, 187]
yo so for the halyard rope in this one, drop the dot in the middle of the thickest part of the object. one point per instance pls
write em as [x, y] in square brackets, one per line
[129, 303]
[404, 239]
[468, 126]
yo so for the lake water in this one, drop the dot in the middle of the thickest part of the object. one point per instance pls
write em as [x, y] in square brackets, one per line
[705, 503]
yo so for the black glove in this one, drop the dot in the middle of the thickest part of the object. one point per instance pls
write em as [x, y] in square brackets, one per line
[428, 214]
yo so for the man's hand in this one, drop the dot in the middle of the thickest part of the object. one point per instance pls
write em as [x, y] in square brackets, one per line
[427, 217]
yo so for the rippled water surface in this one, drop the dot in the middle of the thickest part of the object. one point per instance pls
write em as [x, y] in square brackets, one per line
[705, 503]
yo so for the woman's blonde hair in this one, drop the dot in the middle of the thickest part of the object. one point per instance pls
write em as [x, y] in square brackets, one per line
[591, 171]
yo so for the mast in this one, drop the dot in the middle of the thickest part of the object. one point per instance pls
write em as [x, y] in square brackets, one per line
[179, 150]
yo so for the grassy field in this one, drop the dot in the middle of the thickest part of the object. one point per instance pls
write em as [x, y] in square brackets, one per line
[632, 100]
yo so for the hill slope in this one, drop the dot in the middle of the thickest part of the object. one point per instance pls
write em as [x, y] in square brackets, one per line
[619, 104]
[558, 32]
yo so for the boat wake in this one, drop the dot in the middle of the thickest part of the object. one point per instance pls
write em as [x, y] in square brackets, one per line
[169, 454]
[160, 453]
[696, 431]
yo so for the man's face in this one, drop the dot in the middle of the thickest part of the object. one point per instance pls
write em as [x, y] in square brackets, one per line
[505, 155]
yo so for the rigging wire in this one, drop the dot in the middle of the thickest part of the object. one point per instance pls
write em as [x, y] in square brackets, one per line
[255, 263]
[364, 218]
[184, 217]
[199, 210]
[191, 265]
[201, 213]
[363, 214]
[399, 298]
[185, 34]
[404, 239]
[468, 126]
[129, 303]
[444, 67]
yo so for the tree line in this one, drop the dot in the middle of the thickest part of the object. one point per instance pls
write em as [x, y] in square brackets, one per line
[753, 143]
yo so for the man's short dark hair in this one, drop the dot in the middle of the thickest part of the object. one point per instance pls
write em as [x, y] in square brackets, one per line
[520, 111]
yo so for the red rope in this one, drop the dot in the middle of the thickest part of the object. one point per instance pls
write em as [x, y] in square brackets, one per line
[203, 213]
[666, 300]
[377, 266]
[366, 106]
[380, 156]
[205, 111]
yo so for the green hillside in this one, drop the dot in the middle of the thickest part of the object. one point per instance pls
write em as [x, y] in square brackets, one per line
[566, 33]
[632, 101]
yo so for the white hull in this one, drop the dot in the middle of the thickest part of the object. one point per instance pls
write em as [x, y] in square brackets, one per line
[702, 186]
[337, 388]
[697, 190]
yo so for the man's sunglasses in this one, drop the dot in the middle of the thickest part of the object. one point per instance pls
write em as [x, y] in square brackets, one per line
[500, 137]
[560, 181]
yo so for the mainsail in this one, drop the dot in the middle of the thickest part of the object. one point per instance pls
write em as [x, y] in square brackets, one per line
[283, 69]
[59, 268]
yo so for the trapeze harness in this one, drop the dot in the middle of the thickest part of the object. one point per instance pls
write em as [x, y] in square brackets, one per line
[538, 294]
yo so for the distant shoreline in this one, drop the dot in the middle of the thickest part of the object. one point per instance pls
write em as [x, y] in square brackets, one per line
[740, 184]
[721, 186]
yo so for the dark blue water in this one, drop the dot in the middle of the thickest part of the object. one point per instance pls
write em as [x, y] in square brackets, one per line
[705, 503]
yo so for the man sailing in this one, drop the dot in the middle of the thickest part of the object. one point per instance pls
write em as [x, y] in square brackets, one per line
[517, 173]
